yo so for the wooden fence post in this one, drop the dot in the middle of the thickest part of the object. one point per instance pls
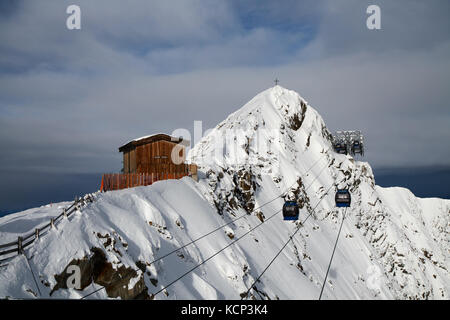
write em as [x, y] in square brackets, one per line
[36, 233]
[65, 213]
[19, 245]
[52, 223]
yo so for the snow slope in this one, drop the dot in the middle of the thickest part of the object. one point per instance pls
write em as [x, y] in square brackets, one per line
[22, 222]
[392, 245]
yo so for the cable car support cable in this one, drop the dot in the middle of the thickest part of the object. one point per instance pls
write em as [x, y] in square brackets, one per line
[215, 254]
[240, 217]
[290, 238]
[332, 255]
[233, 220]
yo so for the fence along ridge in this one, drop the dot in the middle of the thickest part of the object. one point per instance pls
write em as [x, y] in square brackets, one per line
[110, 181]
[22, 242]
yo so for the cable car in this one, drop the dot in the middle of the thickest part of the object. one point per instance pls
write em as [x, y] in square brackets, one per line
[343, 198]
[290, 210]
[357, 147]
[340, 147]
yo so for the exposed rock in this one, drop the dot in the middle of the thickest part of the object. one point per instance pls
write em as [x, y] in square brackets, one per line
[295, 122]
[97, 269]
[245, 189]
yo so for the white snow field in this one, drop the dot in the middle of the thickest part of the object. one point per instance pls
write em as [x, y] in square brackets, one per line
[392, 246]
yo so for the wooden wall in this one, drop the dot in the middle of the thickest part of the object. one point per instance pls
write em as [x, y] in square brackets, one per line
[154, 157]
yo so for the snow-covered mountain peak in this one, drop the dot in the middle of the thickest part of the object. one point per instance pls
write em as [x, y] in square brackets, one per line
[272, 107]
[278, 144]
[274, 97]
[273, 127]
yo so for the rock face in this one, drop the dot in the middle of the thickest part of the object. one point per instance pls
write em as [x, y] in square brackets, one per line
[96, 269]
[275, 148]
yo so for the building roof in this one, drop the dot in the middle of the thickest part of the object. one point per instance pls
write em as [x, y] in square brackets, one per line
[153, 138]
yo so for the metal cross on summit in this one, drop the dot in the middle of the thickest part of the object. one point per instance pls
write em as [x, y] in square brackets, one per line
[276, 81]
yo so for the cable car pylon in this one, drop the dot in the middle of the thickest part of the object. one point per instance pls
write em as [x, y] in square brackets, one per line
[349, 142]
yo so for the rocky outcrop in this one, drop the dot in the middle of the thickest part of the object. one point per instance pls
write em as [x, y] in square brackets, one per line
[96, 269]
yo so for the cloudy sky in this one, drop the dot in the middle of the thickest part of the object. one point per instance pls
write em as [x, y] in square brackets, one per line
[70, 98]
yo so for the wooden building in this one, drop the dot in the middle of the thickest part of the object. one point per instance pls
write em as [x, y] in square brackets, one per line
[158, 153]
[150, 159]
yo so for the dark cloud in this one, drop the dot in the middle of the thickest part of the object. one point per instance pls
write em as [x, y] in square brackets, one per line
[68, 99]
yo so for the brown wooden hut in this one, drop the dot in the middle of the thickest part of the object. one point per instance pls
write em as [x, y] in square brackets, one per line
[155, 154]
[149, 159]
